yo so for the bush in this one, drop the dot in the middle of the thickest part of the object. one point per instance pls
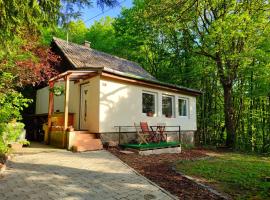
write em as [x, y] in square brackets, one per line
[11, 104]
[9, 133]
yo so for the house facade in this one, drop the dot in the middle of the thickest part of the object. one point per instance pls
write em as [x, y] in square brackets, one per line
[106, 92]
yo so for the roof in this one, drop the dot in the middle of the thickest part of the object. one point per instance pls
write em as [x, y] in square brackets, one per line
[83, 58]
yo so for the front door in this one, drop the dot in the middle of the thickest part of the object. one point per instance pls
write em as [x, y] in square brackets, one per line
[84, 106]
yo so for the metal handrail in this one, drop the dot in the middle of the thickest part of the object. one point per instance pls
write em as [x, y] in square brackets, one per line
[119, 131]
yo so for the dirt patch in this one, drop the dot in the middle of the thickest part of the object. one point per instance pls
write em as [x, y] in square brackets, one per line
[158, 168]
[3, 158]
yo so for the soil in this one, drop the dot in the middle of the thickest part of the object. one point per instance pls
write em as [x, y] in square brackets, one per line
[159, 169]
[3, 158]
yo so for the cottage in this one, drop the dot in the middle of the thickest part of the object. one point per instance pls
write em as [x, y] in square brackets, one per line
[104, 93]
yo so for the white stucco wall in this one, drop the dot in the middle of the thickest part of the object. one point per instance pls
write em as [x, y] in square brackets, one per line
[74, 102]
[113, 103]
[42, 102]
[93, 108]
[121, 105]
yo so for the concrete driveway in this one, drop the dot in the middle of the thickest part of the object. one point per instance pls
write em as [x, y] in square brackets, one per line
[47, 173]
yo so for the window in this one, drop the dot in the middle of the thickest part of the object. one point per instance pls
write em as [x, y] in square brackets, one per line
[167, 105]
[182, 107]
[149, 102]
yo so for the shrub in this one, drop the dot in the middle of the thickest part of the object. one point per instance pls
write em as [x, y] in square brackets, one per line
[9, 132]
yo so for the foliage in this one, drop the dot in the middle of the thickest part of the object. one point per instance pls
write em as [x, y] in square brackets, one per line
[11, 101]
[177, 41]
[11, 105]
[24, 60]
[238, 175]
[57, 90]
[101, 35]
[9, 132]
[182, 48]
[227, 33]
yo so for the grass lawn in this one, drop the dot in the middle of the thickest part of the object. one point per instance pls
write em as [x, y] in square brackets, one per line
[239, 175]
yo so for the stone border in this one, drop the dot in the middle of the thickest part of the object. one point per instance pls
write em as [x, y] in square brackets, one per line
[197, 182]
[160, 151]
[151, 182]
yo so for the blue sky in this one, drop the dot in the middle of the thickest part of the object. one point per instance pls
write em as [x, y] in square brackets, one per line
[88, 13]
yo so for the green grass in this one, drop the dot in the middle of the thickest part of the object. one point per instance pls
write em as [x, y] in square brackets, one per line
[151, 145]
[239, 175]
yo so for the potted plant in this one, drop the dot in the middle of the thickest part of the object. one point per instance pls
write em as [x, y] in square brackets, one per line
[168, 115]
[57, 90]
[150, 113]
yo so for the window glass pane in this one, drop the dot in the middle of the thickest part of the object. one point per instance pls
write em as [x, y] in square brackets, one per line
[182, 106]
[167, 106]
[148, 103]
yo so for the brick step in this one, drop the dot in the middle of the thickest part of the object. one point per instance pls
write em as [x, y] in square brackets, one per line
[85, 141]
[82, 132]
[90, 145]
[86, 136]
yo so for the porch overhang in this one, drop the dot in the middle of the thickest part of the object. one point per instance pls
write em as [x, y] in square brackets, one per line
[70, 75]
[76, 74]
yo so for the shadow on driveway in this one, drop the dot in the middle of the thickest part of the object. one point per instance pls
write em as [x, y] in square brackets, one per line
[66, 175]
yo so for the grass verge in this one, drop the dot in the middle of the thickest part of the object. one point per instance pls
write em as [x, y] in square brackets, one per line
[239, 175]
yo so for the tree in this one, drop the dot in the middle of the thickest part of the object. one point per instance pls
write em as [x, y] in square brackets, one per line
[102, 35]
[23, 59]
[227, 32]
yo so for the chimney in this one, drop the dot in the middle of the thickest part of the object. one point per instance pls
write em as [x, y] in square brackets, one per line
[87, 44]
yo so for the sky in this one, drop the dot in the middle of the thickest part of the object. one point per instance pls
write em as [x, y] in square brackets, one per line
[88, 13]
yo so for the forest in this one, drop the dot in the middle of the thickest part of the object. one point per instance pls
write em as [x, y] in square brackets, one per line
[218, 47]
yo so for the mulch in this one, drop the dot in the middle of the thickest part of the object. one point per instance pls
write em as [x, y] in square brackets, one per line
[159, 169]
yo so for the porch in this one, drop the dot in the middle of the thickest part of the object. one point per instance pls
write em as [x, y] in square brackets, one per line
[60, 130]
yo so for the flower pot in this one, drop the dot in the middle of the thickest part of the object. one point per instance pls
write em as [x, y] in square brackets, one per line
[70, 129]
[150, 114]
[16, 146]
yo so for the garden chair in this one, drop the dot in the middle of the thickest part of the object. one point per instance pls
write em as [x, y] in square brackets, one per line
[161, 131]
[142, 137]
[153, 137]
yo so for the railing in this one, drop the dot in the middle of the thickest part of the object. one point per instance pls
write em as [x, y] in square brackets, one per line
[120, 131]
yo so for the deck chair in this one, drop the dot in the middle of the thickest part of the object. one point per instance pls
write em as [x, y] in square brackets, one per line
[142, 138]
[152, 134]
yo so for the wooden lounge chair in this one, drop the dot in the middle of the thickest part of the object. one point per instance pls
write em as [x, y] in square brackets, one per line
[142, 137]
[152, 134]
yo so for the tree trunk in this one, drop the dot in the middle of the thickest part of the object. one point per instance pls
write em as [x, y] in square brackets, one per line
[229, 115]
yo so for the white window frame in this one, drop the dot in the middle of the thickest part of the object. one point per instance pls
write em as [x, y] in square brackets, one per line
[173, 104]
[187, 106]
[156, 101]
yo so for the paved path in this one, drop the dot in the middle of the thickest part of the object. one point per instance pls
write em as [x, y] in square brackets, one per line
[59, 174]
